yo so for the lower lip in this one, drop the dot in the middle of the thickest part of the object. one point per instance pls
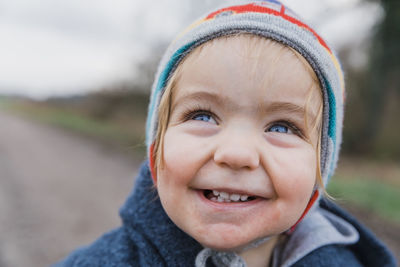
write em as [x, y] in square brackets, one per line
[230, 205]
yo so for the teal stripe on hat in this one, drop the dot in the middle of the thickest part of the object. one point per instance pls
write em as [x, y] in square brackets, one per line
[332, 112]
[162, 83]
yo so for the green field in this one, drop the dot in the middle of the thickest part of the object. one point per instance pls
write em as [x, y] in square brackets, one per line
[369, 193]
[122, 133]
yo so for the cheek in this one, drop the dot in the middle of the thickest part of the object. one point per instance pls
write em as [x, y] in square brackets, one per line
[184, 154]
[294, 177]
[177, 157]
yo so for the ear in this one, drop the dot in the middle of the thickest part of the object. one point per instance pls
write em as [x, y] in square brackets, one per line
[153, 171]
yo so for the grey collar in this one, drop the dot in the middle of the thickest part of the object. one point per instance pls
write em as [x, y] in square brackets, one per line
[319, 228]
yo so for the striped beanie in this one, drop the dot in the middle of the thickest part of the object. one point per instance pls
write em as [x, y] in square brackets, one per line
[270, 19]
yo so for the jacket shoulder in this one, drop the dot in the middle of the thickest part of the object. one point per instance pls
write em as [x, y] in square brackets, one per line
[332, 256]
[369, 249]
[112, 249]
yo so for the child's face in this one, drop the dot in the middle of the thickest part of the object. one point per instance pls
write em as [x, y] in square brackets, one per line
[237, 126]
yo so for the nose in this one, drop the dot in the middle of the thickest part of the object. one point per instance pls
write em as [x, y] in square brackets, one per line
[237, 150]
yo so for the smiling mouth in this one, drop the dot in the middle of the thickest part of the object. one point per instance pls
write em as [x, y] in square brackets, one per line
[220, 196]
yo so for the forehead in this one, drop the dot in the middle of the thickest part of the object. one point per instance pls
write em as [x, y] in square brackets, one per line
[245, 67]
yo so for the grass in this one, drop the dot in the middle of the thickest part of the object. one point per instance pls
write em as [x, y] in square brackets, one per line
[127, 135]
[370, 194]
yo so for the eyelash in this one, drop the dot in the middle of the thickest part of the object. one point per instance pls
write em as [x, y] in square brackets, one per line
[287, 123]
[191, 113]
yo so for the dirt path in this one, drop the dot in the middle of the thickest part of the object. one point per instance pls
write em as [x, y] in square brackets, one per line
[57, 191]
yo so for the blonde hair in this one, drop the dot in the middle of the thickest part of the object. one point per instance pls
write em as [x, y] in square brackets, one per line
[164, 109]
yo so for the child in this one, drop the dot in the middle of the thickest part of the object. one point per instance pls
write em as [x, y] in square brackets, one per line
[243, 133]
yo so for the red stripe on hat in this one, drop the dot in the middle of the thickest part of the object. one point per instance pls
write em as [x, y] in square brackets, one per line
[152, 165]
[301, 24]
[262, 9]
[243, 9]
[282, 9]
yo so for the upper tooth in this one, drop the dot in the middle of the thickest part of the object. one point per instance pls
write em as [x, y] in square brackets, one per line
[234, 197]
[243, 197]
[224, 195]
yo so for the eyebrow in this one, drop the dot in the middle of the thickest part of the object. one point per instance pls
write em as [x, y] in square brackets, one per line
[286, 107]
[198, 96]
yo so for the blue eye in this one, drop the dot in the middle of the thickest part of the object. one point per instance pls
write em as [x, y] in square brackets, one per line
[279, 128]
[203, 117]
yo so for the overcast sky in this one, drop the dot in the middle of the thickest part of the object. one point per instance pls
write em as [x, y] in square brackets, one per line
[59, 47]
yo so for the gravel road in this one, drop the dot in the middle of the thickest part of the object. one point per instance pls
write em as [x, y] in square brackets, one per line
[58, 191]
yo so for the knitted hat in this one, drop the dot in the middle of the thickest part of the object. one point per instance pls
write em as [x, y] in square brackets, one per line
[273, 20]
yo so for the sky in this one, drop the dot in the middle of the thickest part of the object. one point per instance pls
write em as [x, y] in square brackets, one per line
[64, 47]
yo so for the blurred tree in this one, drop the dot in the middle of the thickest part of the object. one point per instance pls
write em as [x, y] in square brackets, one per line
[379, 90]
[384, 72]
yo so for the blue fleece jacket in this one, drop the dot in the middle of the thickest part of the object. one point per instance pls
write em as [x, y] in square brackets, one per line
[148, 237]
